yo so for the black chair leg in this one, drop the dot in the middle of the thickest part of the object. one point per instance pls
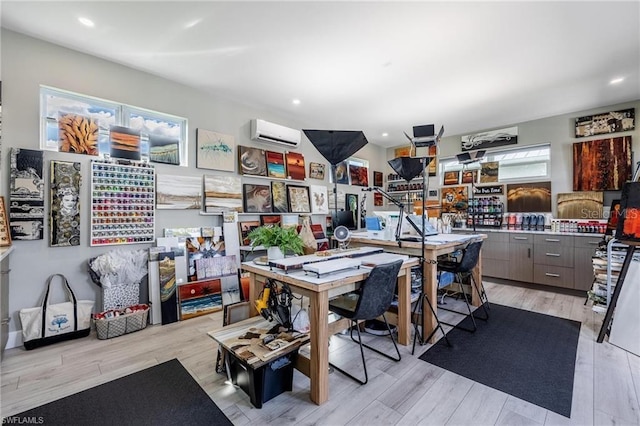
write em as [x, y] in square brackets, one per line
[469, 314]
[392, 339]
[483, 298]
[354, 324]
[417, 333]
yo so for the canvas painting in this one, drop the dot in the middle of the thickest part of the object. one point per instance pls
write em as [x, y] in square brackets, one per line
[5, 233]
[403, 151]
[230, 290]
[319, 199]
[316, 171]
[26, 194]
[609, 122]
[298, 199]
[585, 205]
[168, 286]
[341, 171]
[270, 220]
[529, 197]
[629, 222]
[433, 193]
[65, 204]
[163, 149]
[211, 267]
[490, 139]
[257, 198]
[124, 143]
[279, 197]
[215, 151]
[359, 175]
[222, 193]
[178, 192]
[275, 165]
[202, 248]
[77, 134]
[245, 228]
[201, 298]
[378, 201]
[602, 165]
[252, 161]
[452, 178]
[454, 199]
[183, 232]
[489, 172]
[377, 179]
[351, 204]
[295, 166]
[469, 176]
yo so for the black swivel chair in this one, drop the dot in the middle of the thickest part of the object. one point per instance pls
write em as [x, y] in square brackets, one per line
[375, 296]
[463, 269]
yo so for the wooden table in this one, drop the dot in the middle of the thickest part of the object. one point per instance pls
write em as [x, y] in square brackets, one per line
[319, 291]
[436, 245]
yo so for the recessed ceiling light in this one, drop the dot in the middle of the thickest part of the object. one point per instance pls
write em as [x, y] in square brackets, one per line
[86, 22]
[296, 101]
[385, 134]
[617, 80]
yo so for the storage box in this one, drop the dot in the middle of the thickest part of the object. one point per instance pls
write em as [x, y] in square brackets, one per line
[108, 328]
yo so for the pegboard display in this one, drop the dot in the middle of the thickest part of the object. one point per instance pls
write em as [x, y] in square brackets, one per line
[122, 203]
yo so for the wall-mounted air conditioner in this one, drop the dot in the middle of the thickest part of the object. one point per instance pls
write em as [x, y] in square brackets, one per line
[274, 133]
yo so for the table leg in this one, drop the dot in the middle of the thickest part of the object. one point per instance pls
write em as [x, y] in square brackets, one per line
[255, 288]
[404, 308]
[430, 289]
[319, 335]
[477, 276]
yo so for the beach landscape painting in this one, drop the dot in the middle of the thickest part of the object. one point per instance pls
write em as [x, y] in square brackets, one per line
[222, 193]
[164, 150]
[178, 192]
[200, 298]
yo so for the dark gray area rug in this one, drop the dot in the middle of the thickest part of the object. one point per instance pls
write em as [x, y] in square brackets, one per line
[525, 354]
[164, 394]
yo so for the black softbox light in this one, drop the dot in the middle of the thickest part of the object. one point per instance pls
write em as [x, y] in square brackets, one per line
[409, 167]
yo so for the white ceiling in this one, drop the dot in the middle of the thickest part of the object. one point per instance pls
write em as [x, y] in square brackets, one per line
[377, 67]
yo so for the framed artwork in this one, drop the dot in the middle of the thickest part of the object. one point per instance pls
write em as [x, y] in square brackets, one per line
[245, 228]
[319, 199]
[433, 193]
[602, 165]
[77, 134]
[295, 166]
[629, 221]
[489, 172]
[175, 192]
[275, 165]
[257, 198]
[252, 161]
[215, 151]
[318, 231]
[489, 190]
[65, 204]
[377, 199]
[580, 205]
[359, 175]
[529, 197]
[454, 199]
[377, 179]
[230, 289]
[341, 173]
[490, 139]
[469, 176]
[403, 151]
[26, 194]
[168, 296]
[201, 298]
[298, 199]
[5, 234]
[202, 248]
[351, 204]
[270, 219]
[316, 171]
[452, 178]
[124, 143]
[279, 197]
[212, 267]
[608, 122]
[163, 149]
[222, 193]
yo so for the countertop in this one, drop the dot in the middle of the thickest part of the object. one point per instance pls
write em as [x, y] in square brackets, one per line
[486, 230]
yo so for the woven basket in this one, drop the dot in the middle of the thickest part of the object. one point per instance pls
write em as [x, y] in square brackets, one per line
[108, 328]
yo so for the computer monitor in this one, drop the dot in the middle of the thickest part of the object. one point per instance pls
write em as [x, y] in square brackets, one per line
[344, 218]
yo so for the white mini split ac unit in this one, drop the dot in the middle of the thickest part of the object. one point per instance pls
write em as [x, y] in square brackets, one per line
[274, 133]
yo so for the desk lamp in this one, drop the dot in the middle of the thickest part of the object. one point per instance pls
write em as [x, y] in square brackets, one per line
[467, 158]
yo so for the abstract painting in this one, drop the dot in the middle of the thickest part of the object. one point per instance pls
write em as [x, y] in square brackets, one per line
[529, 197]
[490, 139]
[77, 134]
[298, 199]
[222, 193]
[378, 201]
[452, 178]
[489, 172]
[26, 190]
[316, 170]
[319, 199]
[65, 204]
[341, 173]
[609, 122]
[602, 165]
[469, 176]
[585, 205]
[359, 175]
[257, 198]
[454, 199]
[295, 166]
[279, 197]
[230, 289]
[377, 179]
[270, 220]
[163, 149]
[215, 151]
[200, 298]
[5, 233]
[252, 161]
[202, 248]
[124, 143]
[629, 222]
[211, 267]
[275, 165]
[178, 192]
[168, 297]
[245, 228]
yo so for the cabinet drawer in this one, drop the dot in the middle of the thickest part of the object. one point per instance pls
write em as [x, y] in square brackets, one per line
[553, 255]
[590, 241]
[518, 238]
[496, 237]
[558, 240]
[553, 275]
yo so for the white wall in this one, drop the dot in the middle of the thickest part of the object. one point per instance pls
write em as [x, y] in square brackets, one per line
[27, 64]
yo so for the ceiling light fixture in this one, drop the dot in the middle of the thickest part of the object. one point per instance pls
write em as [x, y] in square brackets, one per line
[617, 80]
[296, 101]
[86, 22]
[385, 134]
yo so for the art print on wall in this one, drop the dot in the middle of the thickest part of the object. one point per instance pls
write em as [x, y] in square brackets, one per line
[452, 178]
[351, 204]
[455, 199]
[245, 229]
[341, 173]
[275, 165]
[26, 209]
[77, 134]
[257, 198]
[628, 228]
[270, 220]
[222, 193]
[64, 216]
[164, 150]
[5, 233]
[319, 199]
[378, 201]
[529, 197]
[212, 267]
[359, 175]
[490, 139]
[201, 298]
[585, 205]
[602, 165]
[178, 192]
[489, 172]
[298, 199]
[202, 248]
[316, 171]
[215, 151]
[252, 161]
[295, 166]
[469, 176]
[378, 179]
[168, 286]
[230, 290]
[124, 143]
[608, 122]
[279, 197]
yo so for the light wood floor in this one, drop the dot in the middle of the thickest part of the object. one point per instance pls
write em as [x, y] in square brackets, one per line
[606, 387]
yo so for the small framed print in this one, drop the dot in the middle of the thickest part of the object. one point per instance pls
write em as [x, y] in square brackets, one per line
[298, 199]
[5, 233]
[316, 170]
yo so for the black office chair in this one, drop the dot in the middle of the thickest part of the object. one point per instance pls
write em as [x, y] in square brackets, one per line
[375, 296]
[463, 269]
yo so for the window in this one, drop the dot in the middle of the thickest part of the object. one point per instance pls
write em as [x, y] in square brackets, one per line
[59, 108]
[531, 162]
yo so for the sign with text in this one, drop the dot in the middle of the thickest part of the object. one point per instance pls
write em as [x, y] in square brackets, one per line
[489, 190]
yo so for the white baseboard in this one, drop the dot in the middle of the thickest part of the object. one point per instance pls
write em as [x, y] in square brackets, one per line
[14, 339]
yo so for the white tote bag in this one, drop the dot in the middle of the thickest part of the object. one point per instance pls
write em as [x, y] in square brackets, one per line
[49, 324]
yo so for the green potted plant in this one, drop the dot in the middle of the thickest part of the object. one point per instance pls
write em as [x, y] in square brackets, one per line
[277, 240]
